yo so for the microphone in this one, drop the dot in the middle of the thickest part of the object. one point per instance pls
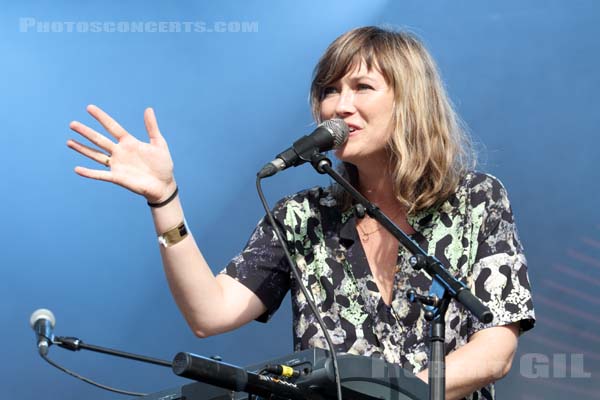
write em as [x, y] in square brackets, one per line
[42, 321]
[329, 135]
[234, 378]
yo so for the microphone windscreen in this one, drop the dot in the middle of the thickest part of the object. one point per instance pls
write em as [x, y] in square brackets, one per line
[42, 313]
[339, 129]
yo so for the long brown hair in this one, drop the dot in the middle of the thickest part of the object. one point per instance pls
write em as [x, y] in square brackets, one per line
[429, 149]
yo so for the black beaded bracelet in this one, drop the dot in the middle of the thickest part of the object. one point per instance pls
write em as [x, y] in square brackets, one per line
[167, 201]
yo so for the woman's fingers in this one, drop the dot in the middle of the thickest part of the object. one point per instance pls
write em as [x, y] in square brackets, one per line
[99, 140]
[94, 174]
[151, 125]
[143, 168]
[107, 122]
[89, 152]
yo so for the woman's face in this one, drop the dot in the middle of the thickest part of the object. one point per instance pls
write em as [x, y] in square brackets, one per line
[363, 99]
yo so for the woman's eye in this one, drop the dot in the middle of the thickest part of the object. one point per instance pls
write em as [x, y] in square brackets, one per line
[364, 86]
[329, 90]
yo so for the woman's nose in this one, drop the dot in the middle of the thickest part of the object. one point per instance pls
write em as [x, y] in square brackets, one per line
[345, 105]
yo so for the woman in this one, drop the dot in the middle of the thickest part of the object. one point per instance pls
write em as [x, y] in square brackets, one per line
[407, 154]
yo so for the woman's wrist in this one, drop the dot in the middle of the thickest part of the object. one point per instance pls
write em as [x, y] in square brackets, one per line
[165, 201]
[167, 216]
[164, 195]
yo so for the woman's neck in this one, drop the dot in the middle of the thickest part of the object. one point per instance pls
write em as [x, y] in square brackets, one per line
[377, 185]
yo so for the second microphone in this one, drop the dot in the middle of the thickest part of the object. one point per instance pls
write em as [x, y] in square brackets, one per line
[329, 135]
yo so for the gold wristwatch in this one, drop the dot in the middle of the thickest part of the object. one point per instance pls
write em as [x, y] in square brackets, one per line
[174, 235]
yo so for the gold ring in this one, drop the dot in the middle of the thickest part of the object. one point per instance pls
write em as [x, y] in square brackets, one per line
[107, 162]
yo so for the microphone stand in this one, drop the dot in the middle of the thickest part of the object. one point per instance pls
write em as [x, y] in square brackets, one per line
[203, 369]
[75, 344]
[443, 289]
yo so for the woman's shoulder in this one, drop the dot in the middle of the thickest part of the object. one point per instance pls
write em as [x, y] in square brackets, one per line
[479, 179]
[482, 187]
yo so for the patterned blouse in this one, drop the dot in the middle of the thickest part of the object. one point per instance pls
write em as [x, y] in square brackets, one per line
[472, 233]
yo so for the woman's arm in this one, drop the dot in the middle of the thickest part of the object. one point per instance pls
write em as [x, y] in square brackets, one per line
[210, 304]
[486, 358]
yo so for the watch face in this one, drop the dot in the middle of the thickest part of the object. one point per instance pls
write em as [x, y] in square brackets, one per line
[182, 229]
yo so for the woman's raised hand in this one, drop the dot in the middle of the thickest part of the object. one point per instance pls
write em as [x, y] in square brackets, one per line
[143, 168]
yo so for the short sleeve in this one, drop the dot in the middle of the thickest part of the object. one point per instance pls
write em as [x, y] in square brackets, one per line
[262, 266]
[500, 276]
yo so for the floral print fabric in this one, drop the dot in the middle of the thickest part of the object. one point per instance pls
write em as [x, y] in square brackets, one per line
[472, 233]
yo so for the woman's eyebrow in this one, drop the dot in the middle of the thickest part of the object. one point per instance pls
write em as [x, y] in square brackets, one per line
[352, 79]
[361, 77]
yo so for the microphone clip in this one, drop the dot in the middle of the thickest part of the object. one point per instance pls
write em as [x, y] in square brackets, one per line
[69, 343]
